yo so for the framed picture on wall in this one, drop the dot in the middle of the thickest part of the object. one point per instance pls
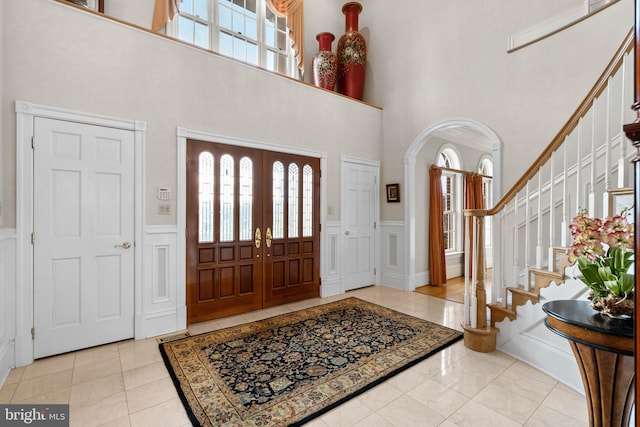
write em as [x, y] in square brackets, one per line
[393, 192]
[620, 199]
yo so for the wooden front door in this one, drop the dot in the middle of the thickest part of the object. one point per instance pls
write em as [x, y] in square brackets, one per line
[246, 248]
[292, 259]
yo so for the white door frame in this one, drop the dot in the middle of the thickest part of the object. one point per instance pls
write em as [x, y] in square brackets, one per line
[343, 214]
[410, 184]
[26, 112]
[182, 135]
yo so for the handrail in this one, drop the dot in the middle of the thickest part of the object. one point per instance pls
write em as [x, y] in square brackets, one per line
[613, 66]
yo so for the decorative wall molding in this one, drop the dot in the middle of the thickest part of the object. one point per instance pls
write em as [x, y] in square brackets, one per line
[555, 24]
[164, 306]
[332, 254]
[7, 301]
[392, 236]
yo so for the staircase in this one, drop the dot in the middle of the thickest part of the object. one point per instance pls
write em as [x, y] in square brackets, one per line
[538, 279]
[587, 162]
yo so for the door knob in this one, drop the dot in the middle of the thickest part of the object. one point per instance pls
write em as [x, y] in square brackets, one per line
[125, 245]
[346, 232]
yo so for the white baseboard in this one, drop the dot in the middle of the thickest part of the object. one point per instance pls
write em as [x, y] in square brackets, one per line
[330, 288]
[7, 352]
[546, 358]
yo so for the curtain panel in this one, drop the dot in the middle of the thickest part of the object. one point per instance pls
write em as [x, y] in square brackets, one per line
[437, 259]
[473, 199]
[293, 10]
[163, 12]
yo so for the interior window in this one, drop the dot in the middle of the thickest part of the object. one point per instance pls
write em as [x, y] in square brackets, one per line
[246, 30]
[452, 200]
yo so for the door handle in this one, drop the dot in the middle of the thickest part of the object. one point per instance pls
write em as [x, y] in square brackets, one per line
[346, 232]
[125, 245]
[258, 238]
[268, 237]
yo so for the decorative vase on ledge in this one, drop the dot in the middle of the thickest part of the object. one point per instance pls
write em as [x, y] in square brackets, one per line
[352, 54]
[325, 63]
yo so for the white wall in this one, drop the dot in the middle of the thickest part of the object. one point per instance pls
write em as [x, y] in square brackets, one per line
[435, 60]
[124, 72]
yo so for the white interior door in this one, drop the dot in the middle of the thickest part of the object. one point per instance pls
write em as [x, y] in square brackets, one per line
[83, 235]
[360, 190]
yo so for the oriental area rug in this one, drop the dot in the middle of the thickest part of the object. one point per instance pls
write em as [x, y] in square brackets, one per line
[289, 369]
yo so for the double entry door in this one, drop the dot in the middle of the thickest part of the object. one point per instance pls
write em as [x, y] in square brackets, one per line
[253, 229]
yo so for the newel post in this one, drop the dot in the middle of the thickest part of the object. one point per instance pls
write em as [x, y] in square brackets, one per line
[479, 335]
[632, 130]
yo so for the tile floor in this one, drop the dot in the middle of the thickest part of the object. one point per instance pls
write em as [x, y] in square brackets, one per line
[126, 383]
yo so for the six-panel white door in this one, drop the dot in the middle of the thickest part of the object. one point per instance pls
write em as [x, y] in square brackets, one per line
[359, 232]
[83, 236]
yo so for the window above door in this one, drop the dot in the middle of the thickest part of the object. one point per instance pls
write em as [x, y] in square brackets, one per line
[246, 30]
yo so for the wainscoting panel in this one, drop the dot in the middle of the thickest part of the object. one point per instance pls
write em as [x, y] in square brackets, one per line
[393, 256]
[332, 266]
[161, 311]
[7, 302]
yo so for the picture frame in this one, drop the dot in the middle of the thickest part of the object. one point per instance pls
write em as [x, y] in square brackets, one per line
[619, 199]
[393, 193]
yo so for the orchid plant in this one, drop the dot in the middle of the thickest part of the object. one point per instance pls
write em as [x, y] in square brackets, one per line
[604, 252]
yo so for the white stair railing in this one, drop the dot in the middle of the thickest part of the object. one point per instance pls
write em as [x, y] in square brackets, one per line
[575, 172]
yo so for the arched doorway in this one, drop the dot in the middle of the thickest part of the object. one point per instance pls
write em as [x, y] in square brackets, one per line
[456, 131]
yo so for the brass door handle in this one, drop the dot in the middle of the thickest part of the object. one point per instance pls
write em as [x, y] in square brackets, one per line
[125, 245]
[268, 237]
[258, 238]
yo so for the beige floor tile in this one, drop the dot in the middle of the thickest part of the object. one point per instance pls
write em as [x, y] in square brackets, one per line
[479, 367]
[547, 417]
[136, 358]
[374, 420]
[94, 391]
[144, 375]
[167, 414]
[567, 401]
[526, 381]
[42, 385]
[93, 371]
[380, 396]
[6, 392]
[49, 365]
[473, 414]
[150, 394]
[97, 354]
[348, 414]
[408, 412]
[317, 422]
[120, 422]
[108, 409]
[438, 397]
[57, 396]
[461, 381]
[503, 401]
[406, 380]
[15, 375]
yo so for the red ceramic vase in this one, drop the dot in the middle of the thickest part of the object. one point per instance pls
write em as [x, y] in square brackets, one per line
[352, 54]
[325, 63]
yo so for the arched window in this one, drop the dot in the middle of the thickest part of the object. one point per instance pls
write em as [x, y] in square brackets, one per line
[448, 158]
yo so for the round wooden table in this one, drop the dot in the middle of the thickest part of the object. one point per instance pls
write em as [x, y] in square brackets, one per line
[603, 348]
